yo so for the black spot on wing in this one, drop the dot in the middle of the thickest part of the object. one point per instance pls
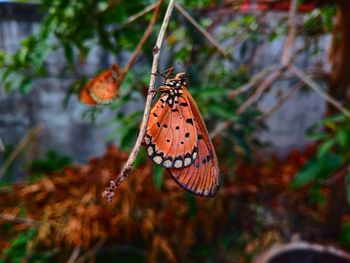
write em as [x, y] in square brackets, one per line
[184, 104]
[190, 121]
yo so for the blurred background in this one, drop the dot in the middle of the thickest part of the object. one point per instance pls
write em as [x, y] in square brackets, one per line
[272, 81]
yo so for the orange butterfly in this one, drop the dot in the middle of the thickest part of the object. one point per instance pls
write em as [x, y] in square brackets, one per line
[102, 89]
[177, 139]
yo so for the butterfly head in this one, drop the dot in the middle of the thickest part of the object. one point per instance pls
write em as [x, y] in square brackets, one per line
[172, 89]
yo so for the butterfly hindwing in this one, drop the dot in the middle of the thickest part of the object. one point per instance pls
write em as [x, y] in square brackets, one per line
[203, 176]
[102, 89]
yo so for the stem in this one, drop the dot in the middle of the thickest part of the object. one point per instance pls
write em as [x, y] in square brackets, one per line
[313, 85]
[201, 29]
[142, 40]
[109, 191]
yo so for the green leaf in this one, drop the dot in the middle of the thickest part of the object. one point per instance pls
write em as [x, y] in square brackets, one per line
[317, 168]
[221, 112]
[213, 92]
[325, 147]
[158, 176]
[347, 186]
[342, 137]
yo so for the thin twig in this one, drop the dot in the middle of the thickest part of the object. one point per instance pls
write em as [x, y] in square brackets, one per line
[288, 45]
[253, 80]
[92, 251]
[143, 39]
[261, 89]
[19, 220]
[220, 128]
[75, 254]
[313, 85]
[109, 192]
[251, 100]
[22, 144]
[2, 147]
[202, 30]
[285, 97]
[337, 176]
[140, 14]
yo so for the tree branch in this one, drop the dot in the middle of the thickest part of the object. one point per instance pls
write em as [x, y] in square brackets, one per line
[19, 220]
[2, 147]
[314, 86]
[22, 144]
[261, 89]
[279, 103]
[253, 80]
[143, 39]
[202, 30]
[92, 251]
[109, 191]
[287, 49]
[141, 13]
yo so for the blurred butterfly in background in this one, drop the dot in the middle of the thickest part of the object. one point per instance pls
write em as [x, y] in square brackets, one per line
[102, 89]
[177, 139]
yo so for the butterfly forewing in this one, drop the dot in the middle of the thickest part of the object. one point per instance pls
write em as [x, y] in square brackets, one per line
[203, 176]
[171, 137]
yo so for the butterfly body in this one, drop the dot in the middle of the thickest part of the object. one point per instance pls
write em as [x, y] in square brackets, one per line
[177, 139]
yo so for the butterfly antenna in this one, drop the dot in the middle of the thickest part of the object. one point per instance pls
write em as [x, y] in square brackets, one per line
[192, 50]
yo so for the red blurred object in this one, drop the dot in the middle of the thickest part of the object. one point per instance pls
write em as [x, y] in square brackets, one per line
[262, 5]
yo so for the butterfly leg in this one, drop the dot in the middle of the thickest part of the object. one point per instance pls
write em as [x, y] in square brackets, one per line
[165, 74]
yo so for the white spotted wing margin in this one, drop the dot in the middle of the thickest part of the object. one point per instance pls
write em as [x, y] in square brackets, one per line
[171, 136]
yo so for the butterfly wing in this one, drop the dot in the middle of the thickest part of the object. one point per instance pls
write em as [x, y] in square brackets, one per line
[203, 176]
[102, 89]
[171, 137]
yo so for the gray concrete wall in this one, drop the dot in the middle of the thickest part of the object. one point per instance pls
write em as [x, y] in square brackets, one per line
[67, 132]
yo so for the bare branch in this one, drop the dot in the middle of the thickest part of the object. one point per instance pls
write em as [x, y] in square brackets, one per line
[90, 253]
[19, 220]
[253, 81]
[141, 13]
[2, 147]
[109, 191]
[287, 50]
[202, 30]
[75, 254]
[143, 39]
[220, 128]
[283, 99]
[261, 89]
[252, 99]
[313, 85]
[22, 144]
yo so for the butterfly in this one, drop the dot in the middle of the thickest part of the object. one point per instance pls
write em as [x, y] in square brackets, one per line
[177, 139]
[102, 89]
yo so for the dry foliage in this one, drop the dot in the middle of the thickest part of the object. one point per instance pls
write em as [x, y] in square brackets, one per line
[71, 213]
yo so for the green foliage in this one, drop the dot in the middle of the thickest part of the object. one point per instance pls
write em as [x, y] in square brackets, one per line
[53, 162]
[333, 135]
[20, 249]
[158, 176]
[319, 20]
